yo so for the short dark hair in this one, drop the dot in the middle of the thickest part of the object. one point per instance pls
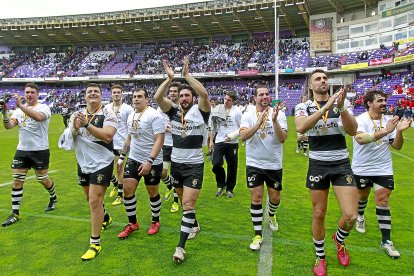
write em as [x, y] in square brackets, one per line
[32, 85]
[232, 95]
[318, 71]
[116, 86]
[369, 96]
[92, 84]
[175, 84]
[185, 86]
[213, 99]
[260, 86]
[142, 89]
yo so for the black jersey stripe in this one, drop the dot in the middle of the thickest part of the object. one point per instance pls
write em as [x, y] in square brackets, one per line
[189, 142]
[327, 142]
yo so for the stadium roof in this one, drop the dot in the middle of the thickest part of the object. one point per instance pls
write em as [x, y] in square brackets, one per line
[204, 19]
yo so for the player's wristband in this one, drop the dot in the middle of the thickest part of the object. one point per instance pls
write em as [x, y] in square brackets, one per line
[323, 110]
[342, 109]
[151, 159]
[86, 126]
[122, 155]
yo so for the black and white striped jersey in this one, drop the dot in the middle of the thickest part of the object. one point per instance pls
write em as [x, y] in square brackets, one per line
[188, 134]
[326, 139]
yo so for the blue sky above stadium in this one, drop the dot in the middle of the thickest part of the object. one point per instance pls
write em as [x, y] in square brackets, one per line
[39, 8]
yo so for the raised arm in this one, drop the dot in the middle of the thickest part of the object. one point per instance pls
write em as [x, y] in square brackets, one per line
[8, 123]
[403, 125]
[163, 102]
[247, 133]
[105, 134]
[203, 102]
[305, 123]
[366, 138]
[348, 120]
[35, 115]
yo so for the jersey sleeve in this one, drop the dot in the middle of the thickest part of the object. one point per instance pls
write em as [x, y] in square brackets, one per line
[301, 110]
[349, 107]
[45, 110]
[158, 125]
[110, 119]
[281, 117]
[361, 124]
[245, 121]
[16, 115]
[238, 117]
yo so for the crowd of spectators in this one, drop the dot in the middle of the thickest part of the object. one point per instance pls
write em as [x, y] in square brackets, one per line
[218, 56]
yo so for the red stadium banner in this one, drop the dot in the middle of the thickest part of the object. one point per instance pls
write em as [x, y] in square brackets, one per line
[321, 34]
[249, 73]
[380, 61]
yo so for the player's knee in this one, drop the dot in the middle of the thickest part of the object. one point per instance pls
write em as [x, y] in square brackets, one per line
[188, 205]
[19, 178]
[257, 198]
[382, 201]
[94, 201]
[319, 214]
[350, 217]
[42, 178]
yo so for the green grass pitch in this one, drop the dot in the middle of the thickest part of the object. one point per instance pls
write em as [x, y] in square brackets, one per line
[52, 243]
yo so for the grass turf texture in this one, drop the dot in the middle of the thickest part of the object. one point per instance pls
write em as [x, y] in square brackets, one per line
[52, 243]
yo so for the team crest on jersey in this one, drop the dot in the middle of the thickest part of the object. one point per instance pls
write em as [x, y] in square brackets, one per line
[313, 109]
[349, 179]
[99, 178]
[335, 110]
[96, 121]
[195, 182]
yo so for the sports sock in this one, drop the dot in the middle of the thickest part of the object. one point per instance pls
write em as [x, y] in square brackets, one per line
[341, 235]
[256, 213]
[319, 248]
[16, 198]
[130, 204]
[155, 203]
[187, 222]
[384, 221]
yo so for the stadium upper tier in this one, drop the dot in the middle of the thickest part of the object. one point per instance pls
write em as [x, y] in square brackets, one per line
[255, 54]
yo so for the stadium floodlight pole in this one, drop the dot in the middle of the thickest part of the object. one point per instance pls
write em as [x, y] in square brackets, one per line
[276, 53]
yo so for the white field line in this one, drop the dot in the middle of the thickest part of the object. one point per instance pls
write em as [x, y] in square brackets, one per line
[265, 265]
[402, 155]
